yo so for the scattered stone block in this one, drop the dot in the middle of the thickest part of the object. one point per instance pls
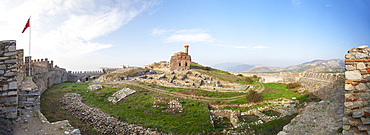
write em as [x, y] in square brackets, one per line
[95, 87]
[119, 95]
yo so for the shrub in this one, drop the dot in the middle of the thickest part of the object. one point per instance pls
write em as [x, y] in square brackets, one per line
[247, 79]
[293, 85]
[255, 76]
[206, 68]
[254, 96]
[239, 75]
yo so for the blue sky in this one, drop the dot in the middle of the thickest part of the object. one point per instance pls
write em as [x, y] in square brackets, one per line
[88, 34]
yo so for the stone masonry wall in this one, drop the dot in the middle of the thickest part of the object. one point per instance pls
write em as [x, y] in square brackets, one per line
[8, 81]
[357, 95]
[321, 85]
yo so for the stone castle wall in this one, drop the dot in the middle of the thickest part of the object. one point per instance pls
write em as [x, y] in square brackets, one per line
[9, 85]
[357, 91]
[321, 85]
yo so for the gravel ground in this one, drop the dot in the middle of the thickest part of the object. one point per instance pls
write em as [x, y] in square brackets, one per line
[318, 118]
[30, 122]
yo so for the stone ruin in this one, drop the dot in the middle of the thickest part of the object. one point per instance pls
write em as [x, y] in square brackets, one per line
[14, 93]
[119, 95]
[172, 105]
[9, 84]
[180, 60]
[357, 91]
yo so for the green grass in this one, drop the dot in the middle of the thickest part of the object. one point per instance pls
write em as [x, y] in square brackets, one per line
[272, 127]
[136, 108]
[279, 90]
[197, 92]
[50, 106]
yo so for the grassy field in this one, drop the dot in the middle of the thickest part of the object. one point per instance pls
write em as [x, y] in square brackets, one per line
[137, 108]
[50, 106]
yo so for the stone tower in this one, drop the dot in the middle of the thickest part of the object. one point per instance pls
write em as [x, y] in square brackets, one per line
[181, 60]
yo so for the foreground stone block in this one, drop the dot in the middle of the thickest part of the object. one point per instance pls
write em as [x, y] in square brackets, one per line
[353, 75]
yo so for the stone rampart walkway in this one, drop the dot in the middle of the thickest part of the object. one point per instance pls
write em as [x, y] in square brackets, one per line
[318, 118]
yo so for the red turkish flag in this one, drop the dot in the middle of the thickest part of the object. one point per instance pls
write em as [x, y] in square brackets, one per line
[27, 25]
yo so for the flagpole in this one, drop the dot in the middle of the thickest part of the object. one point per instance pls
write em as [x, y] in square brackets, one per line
[29, 52]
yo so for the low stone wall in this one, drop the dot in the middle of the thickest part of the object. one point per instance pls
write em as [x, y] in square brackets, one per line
[320, 88]
[9, 84]
[102, 122]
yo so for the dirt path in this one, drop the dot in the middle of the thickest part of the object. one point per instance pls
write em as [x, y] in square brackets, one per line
[318, 118]
[31, 122]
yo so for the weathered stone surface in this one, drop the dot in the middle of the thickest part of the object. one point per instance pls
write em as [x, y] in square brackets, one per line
[12, 93]
[350, 56]
[10, 53]
[346, 127]
[361, 66]
[353, 75]
[361, 86]
[353, 122]
[95, 87]
[76, 131]
[282, 133]
[363, 127]
[12, 48]
[9, 74]
[11, 61]
[360, 55]
[5, 87]
[365, 96]
[349, 87]
[350, 67]
[357, 114]
[119, 95]
[13, 85]
[365, 120]
[353, 104]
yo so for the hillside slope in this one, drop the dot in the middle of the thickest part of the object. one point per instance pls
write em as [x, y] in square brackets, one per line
[228, 66]
[334, 65]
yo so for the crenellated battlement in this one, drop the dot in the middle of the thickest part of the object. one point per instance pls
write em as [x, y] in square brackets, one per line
[323, 76]
[86, 72]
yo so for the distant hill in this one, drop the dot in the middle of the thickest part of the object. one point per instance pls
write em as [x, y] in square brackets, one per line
[229, 66]
[334, 65]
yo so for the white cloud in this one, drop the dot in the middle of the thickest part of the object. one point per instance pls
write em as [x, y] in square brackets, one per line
[260, 47]
[240, 47]
[157, 32]
[64, 29]
[183, 35]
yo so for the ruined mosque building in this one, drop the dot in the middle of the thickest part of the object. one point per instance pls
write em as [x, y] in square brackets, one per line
[181, 60]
